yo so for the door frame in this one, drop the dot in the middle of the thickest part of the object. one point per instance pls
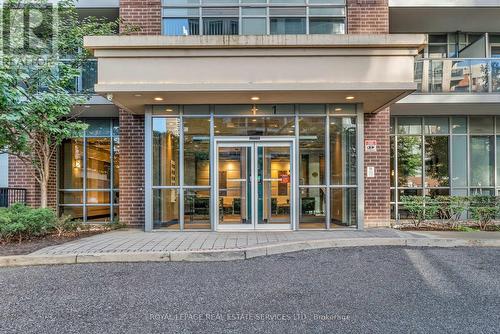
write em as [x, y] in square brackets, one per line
[253, 141]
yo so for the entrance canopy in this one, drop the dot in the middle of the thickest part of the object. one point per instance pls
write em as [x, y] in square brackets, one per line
[375, 70]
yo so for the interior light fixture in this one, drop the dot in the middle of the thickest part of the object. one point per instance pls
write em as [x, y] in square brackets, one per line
[168, 110]
[158, 98]
[349, 97]
[338, 109]
[137, 95]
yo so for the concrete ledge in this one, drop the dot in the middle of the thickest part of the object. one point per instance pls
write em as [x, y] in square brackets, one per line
[243, 253]
[32, 260]
[123, 257]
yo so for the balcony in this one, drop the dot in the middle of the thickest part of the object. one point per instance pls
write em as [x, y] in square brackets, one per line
[458, 76]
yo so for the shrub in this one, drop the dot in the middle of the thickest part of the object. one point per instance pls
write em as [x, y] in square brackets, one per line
[421, 208]
[484, 210]
[66, 223]
[20, 221]
[452, 208]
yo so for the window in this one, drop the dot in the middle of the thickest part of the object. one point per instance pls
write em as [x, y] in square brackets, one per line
[452, 155]
[88, 173]
[253, 17]
[288, 25]
[320, 25]
[181, 26]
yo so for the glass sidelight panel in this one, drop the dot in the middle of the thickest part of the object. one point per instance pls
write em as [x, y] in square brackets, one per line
[235, 193]
[196, 209]
[312, 208]
[273, 185]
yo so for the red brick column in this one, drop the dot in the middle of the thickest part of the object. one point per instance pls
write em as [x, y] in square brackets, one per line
[131, 169]
[21, 176]
[377, 189]
[372, 17]
[367, 17]
[145, 14]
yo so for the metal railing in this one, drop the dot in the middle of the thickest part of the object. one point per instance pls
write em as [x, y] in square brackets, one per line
[458, 75]
[9, 196]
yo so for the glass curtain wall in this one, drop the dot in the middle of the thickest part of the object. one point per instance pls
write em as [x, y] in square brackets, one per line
[181, 158]
[89, 173]
[445, 155]
[253, 17]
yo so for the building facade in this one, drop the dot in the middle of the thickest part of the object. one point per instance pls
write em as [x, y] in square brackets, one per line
[280, 114]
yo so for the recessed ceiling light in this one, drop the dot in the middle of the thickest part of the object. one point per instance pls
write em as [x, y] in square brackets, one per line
[86, 106]
[349, 97]
[255, 98]
[137, 95]
[158, 98]
[338, 109]
[168, 110]
[254, 120]
[217, 131]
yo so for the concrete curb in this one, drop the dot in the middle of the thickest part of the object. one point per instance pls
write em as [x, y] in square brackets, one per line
[240, 254]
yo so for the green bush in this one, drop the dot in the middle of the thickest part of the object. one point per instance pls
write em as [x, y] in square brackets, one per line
[421, 208]
[66, 223]
[484, 209]
[20, 222]
[452, 208]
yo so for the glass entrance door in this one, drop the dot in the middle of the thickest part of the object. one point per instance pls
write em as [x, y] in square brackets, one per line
[255, 185]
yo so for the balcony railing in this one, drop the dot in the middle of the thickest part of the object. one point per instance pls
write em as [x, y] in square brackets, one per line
[457, 75]
[9, 196]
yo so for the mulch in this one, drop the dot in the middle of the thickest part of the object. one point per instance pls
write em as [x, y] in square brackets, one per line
[29, 246]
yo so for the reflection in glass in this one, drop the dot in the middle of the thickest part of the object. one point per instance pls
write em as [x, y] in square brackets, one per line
[71, 197]
[98, 127]
[459, 124]
[273, 185]
[436, 161]
[181, 26]
[166, 209]
[482, 160]
[481, 124]
[76, 212]
[343, 207]
[197, 151]
[166, 151]
[196, 209]
[235, 199]
[71, 164]
[254, 26]
[220, 26]
[326, 25]
[409, 125]
[254, 126]
[98, 197]
[287, 25]
[343, 150]
[312, 150]
[409, 161]
[98, 163]
[393, 154]
[312, 208]
[436, 125]
[101, 214]
[459, 161]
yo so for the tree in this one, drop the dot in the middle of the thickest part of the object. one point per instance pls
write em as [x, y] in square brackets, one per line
[36, 98]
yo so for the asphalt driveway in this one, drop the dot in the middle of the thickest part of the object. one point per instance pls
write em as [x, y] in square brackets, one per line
[356, 290]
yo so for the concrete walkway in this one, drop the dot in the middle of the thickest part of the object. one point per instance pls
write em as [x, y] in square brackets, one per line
[138, 246]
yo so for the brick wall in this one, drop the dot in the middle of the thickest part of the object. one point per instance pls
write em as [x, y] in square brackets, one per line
[367, 16]
[20, 176]
[372, 17]
[145, 14]
[377, 189]
[131, 169]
